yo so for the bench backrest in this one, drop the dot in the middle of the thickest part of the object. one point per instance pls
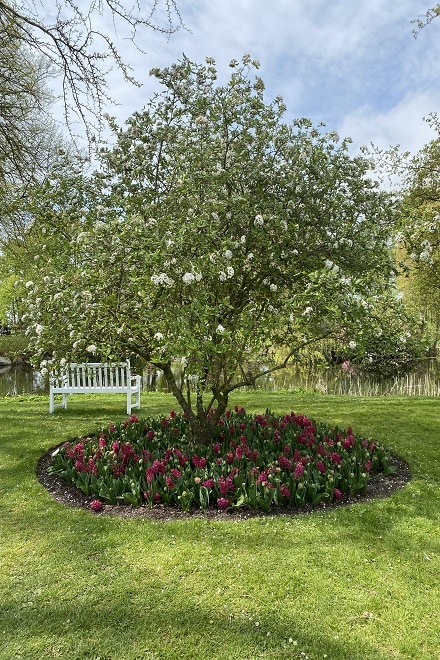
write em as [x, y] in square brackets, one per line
[93, 374]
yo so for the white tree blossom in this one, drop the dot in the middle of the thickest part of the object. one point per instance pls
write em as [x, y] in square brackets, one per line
[250, 218]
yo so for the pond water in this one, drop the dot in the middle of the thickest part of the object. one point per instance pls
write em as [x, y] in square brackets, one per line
[21, 379]
[422, 379]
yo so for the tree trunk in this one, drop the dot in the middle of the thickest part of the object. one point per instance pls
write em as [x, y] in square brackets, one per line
[201, 423]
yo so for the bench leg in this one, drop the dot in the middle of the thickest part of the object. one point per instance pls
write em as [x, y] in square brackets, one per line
[51, 402]
[137, 401]
[64, 404]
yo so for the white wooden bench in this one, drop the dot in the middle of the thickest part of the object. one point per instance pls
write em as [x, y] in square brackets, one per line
[95, 378]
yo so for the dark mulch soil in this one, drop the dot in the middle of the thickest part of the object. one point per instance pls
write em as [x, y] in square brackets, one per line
[380, 486]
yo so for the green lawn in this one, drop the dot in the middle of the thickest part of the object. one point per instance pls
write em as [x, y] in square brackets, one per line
[358, 582]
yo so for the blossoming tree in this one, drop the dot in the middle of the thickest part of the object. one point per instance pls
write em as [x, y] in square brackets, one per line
[221, 232]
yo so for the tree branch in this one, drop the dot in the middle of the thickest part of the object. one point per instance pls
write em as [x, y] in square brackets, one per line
[69, 44]
[425, 19]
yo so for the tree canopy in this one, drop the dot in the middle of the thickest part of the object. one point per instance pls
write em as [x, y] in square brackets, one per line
[37, 219]
[218, 233]
[420, 235]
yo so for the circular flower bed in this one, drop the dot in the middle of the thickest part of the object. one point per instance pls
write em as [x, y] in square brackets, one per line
[256, 461]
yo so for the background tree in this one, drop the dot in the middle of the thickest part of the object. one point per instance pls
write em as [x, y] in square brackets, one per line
[218, 233]
[29, 139]
[68, 36]
[27, 132]
[420, 236]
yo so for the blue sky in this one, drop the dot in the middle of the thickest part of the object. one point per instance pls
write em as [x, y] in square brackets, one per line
[354, 65]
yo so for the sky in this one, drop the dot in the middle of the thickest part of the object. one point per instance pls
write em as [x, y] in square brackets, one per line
[355, 66]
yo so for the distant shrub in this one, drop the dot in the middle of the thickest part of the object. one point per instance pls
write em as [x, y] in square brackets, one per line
[14, 347]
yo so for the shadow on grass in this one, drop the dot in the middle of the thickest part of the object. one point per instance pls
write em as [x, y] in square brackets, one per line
[78, 585]
[99, 623]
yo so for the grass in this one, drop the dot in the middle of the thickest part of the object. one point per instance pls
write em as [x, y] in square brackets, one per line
[358, 582]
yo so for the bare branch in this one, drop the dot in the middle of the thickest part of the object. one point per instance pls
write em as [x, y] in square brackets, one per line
[82, 52]
[249, 379]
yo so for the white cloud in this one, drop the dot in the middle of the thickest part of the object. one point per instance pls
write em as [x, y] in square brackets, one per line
[401, 124]
[354, 66]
